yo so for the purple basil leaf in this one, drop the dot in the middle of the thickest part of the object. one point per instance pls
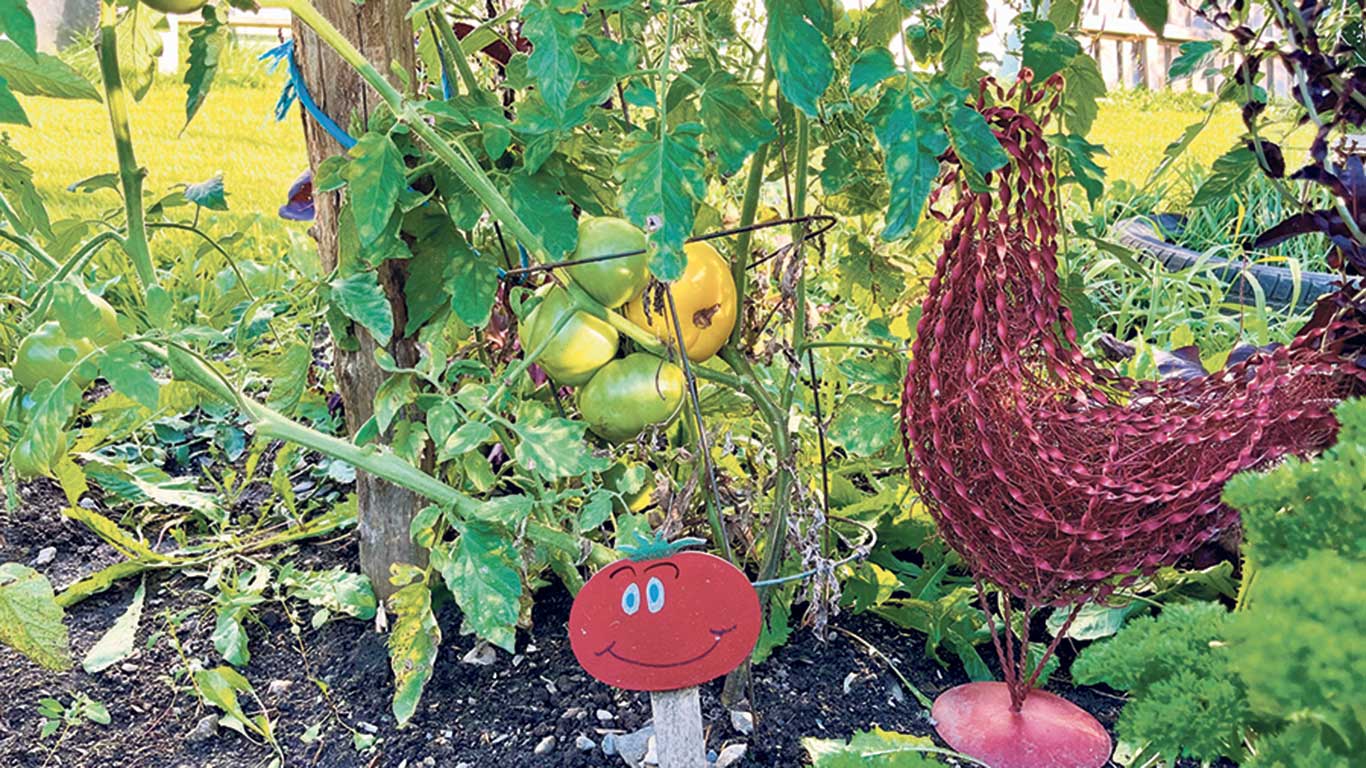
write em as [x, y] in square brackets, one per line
[300, 199]
[1183, 363]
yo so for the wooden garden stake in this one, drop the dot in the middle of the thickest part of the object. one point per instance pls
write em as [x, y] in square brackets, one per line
[678, 728]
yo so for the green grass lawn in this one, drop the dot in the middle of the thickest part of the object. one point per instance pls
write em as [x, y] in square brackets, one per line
[235, 132]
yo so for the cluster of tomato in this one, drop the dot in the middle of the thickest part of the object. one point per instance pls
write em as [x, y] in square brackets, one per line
[620, 397]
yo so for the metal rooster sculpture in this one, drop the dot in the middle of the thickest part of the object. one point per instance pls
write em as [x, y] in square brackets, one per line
[1053, 477]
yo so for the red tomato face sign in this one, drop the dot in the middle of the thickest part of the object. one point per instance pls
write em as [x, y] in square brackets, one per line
[665, 624]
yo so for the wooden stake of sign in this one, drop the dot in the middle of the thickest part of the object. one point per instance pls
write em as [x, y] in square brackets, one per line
[678, 728]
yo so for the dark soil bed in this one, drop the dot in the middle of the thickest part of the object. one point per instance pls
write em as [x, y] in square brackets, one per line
[470, 715]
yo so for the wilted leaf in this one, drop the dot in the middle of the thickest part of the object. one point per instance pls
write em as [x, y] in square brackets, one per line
[30, 619]
[208, 193]
[413, 645]
[483, 573]
[117, 643]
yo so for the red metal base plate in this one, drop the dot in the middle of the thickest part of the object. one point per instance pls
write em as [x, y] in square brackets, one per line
[1048, 732]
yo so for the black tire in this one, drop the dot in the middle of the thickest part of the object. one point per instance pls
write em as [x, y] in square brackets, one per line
[1141, 234]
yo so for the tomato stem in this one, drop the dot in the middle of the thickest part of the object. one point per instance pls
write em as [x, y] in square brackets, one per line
[130, 174]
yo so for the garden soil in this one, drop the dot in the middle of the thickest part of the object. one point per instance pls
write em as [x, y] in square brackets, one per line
[471, 715]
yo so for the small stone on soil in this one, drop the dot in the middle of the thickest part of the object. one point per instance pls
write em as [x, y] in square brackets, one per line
[370, 728]
[45, 556]
[585, 744]
[742, 722]
[278, 687]
[731, 755]
[546, 746]
[205, 729]
[605, 716]
[481, 655]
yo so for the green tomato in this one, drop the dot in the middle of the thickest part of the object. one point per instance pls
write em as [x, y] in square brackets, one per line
[48, 354]
[26, 463]
[581, 347]
[615, 281]
[630, 394]
[107, 331]
[175, 6]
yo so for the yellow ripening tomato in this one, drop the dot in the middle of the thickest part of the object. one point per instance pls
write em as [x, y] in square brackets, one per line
[705, 297]
[582, 346]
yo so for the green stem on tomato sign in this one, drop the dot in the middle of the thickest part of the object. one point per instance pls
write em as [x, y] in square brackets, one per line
[130, 174]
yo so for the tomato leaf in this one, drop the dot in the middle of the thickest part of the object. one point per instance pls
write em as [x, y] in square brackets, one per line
[117, 643]
[43, 75]
[123, 367]
[553, 61]
[802, 62]
[1192, 56]
[910, 149]
[413, 645]
[661, 182]
[896, 749]
[871, 68]
[1045, 51]
[206, 43]
[552, 446]
[219, 686]
[974, 143]
[30, 619]
[964, 23]
[140, 46]
[860, 426]
[1153, 14]
[537, 201]
[44, 436]
[361, 298]
[376, 178]
[734, 125]
[1081, 165]
[16, 22]
[16, 180]
[1083, 86]
[10, 109]
[484, 574]
[471, 279]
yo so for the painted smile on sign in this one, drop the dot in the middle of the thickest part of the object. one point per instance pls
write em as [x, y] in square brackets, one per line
[664, 624]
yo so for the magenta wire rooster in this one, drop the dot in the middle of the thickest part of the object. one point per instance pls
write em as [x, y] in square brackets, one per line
[1051, 476]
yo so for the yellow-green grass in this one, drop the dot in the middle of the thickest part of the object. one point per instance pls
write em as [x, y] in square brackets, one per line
[1136, 131]
[235, 132]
